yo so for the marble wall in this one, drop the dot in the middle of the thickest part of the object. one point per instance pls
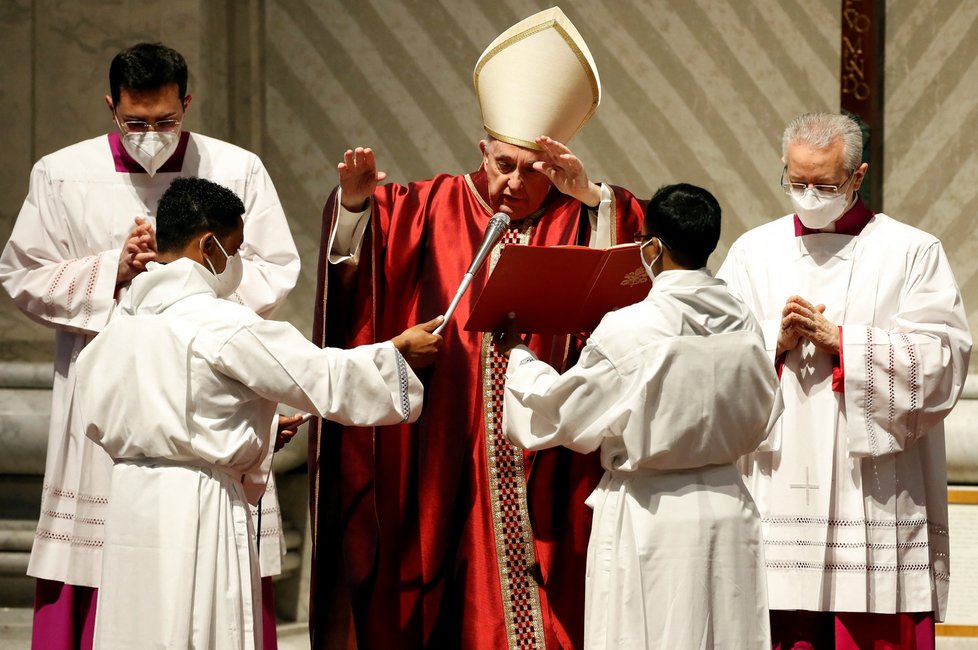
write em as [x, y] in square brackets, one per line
[54, 76]
[694, 91]
[931, 115]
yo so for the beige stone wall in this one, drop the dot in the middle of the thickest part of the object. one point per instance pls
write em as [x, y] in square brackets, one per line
[931, 166]
[53, 79]
[694, 91]
[54, 76]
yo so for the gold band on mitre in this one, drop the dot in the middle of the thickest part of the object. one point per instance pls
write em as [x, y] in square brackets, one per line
[537, 78]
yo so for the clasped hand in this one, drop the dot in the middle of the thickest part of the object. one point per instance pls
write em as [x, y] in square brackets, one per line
[139, 250]
[800, 319]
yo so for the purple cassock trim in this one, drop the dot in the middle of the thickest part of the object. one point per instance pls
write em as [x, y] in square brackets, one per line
[64, 615]
[124, 162]
[799, 630]
[851, 223]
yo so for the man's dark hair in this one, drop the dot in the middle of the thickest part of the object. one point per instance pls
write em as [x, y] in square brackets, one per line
[147, 66]
[686, 219]
[192, 205]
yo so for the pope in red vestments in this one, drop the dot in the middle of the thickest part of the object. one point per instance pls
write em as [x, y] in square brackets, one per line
[442, 534]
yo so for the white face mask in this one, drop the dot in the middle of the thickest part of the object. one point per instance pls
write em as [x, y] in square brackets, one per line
[648, 266]
[152, 148]
[228, 279]
[816, 211]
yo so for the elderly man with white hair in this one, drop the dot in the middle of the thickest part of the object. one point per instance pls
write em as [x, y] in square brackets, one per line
[863, 318]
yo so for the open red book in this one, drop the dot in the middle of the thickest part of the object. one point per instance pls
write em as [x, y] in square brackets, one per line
[559, 289]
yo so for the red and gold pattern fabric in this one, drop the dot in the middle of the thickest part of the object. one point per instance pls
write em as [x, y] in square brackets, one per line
[439, 534]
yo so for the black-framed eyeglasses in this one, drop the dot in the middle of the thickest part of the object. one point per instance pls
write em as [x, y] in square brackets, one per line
[824, 191]
[644, 237]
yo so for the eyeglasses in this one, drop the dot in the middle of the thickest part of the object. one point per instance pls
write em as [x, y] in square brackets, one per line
[823, 191]
[139, 126]
[644, 237]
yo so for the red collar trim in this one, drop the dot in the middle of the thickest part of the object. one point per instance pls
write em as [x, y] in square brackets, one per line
[851, 223]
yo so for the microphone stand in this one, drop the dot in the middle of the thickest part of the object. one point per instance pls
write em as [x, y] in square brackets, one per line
[497, 226]
[462, 287]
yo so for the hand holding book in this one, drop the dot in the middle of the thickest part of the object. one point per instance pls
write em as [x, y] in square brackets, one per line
[559, 289]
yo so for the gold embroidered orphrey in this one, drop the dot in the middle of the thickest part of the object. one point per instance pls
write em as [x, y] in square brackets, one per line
[513, 535]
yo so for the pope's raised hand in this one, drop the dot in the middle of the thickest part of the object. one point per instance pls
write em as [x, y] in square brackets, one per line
[358, 177]
[566, 171]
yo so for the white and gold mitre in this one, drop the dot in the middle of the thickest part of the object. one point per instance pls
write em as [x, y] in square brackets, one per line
[537, 78]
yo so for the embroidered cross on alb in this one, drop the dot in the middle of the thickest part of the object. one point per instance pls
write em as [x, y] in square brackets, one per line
[808, 486]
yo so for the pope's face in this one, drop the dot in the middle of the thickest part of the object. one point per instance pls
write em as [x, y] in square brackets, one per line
[515, 188]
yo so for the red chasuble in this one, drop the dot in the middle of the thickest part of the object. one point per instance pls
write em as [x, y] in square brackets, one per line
[441, 534]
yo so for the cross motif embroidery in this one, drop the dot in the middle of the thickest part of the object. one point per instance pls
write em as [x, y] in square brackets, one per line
[807, 486]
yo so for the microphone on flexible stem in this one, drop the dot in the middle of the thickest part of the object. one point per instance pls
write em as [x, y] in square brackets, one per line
[497, 226]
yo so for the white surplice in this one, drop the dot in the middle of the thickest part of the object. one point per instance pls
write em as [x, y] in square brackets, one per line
[60, 265]
[852, 490]
[673, 390]
[181, 388]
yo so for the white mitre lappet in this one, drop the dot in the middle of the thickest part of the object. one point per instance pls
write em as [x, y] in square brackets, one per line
[537, 78]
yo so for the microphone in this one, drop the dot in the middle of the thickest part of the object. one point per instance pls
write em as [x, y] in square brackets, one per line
[497, 226]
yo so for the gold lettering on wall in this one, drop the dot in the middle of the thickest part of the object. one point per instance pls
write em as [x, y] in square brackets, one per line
[854, 69]
[861, 61]
[856, 19]
[855, 43]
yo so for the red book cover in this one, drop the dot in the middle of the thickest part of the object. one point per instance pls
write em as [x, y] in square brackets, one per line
[559, 289]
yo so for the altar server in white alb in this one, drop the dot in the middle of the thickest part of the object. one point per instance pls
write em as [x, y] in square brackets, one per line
[181, 389]
[83, 232]
[672, 390]
[864, 319]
